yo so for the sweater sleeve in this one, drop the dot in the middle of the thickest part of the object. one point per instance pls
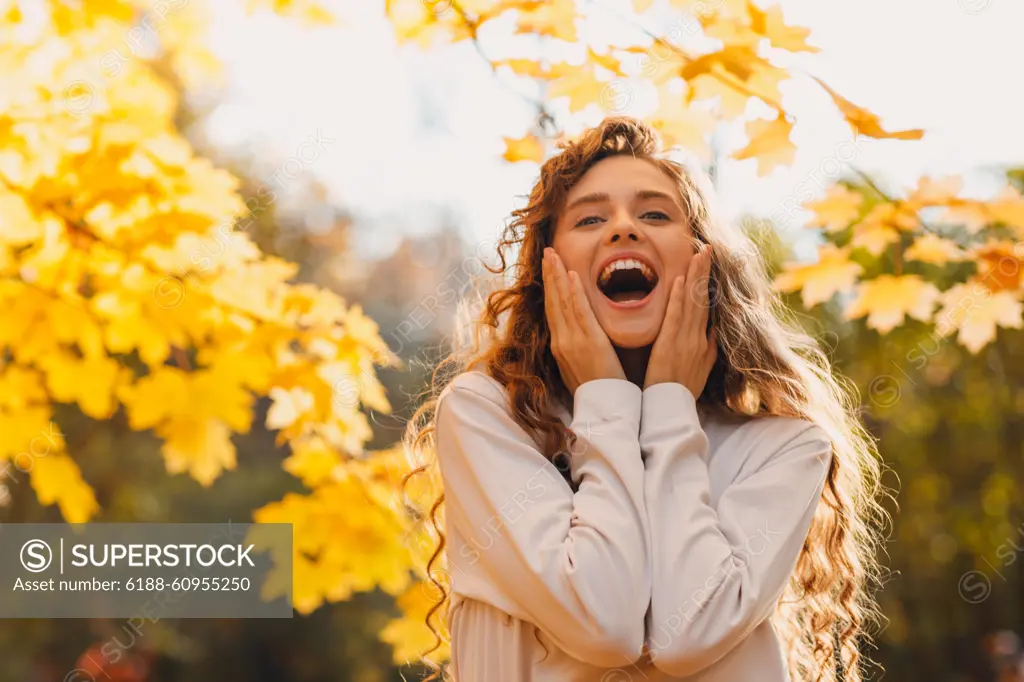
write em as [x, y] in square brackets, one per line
[719, 571]
[573, 564]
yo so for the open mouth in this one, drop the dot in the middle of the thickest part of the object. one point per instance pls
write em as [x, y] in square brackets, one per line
[627, 280]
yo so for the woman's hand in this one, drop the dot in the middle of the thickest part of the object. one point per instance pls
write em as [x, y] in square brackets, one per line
[684, 351]
[581, 348]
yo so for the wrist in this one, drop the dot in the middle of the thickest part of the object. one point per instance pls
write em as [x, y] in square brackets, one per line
[606, 401]
[668, 408]
[655, 379]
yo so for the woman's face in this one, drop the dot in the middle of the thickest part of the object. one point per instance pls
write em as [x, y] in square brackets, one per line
[625, 211]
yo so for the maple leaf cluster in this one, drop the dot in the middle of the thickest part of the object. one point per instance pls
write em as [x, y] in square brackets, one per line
[127, 287]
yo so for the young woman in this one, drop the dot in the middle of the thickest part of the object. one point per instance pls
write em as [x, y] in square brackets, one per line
[649, 471]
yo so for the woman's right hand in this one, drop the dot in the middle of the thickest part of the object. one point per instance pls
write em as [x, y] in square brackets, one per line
[580, 346]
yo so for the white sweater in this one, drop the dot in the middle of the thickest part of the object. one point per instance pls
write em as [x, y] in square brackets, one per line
[680, 538]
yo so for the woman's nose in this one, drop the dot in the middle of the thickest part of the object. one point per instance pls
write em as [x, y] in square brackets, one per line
[623, 229]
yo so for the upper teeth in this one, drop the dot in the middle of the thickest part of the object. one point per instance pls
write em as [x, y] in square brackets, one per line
[626, 264]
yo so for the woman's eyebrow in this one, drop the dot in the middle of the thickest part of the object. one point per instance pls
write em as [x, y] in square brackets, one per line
[602, 197]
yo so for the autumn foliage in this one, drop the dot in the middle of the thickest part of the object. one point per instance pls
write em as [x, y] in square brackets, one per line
[129, 285]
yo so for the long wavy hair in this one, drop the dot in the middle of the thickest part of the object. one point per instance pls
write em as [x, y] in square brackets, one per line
[767, 366]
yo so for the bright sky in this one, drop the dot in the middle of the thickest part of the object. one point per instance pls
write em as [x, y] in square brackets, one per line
[948, 66]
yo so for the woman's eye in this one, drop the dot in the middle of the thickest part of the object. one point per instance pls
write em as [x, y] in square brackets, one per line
[659, 214]
[583, 221]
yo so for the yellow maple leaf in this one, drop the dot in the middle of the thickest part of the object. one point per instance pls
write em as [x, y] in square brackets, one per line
[769, 144]
[740, 61]
[863, 122]
[972, 214]
[730, 30]
[1000, 263]
[875, 237]
[27, 430]
[975, 312]
[19, 226]
[155, 397]
[659, 62]
[288, 405]
[932, 192]
[483, 10]
[882, 226]
[68, 20]
[219, 396]
[58, 480]
[92, 382]
[770, 24]
[254, 289]
[129, 329]
[420, 22]
[818, 282]
[184, 33]
[703, 8]
[735, 74]
[244, 363]
[606, 61]
[837, 210]
[371, 391]
[578, 83]
[337, 551]
[931, 248]
[888, 299]
[728, 7]
[1007, 208]
[732, 101]
[20, 387]
[312, 461]
[197, 446]
[554, 18]
[308, 585]
[522, 67]
[307, 11]
[899, 216]
[680, 125]
[528, 148]
[72, 325]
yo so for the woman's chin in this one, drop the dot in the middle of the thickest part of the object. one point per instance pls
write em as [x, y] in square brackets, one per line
[631, 327]
[627, 339]
[631, 332]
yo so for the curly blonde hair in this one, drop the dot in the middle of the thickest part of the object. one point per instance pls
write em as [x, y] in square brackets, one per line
[767, 366]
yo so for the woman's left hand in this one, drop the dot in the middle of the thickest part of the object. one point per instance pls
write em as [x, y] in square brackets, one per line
[684, 351]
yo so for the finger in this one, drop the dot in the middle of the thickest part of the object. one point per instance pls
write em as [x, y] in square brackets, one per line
[552, 307]
[674, 312]
[690, 302]
[563, 290]
[705, 290]
[576, 309]
[581, 306]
